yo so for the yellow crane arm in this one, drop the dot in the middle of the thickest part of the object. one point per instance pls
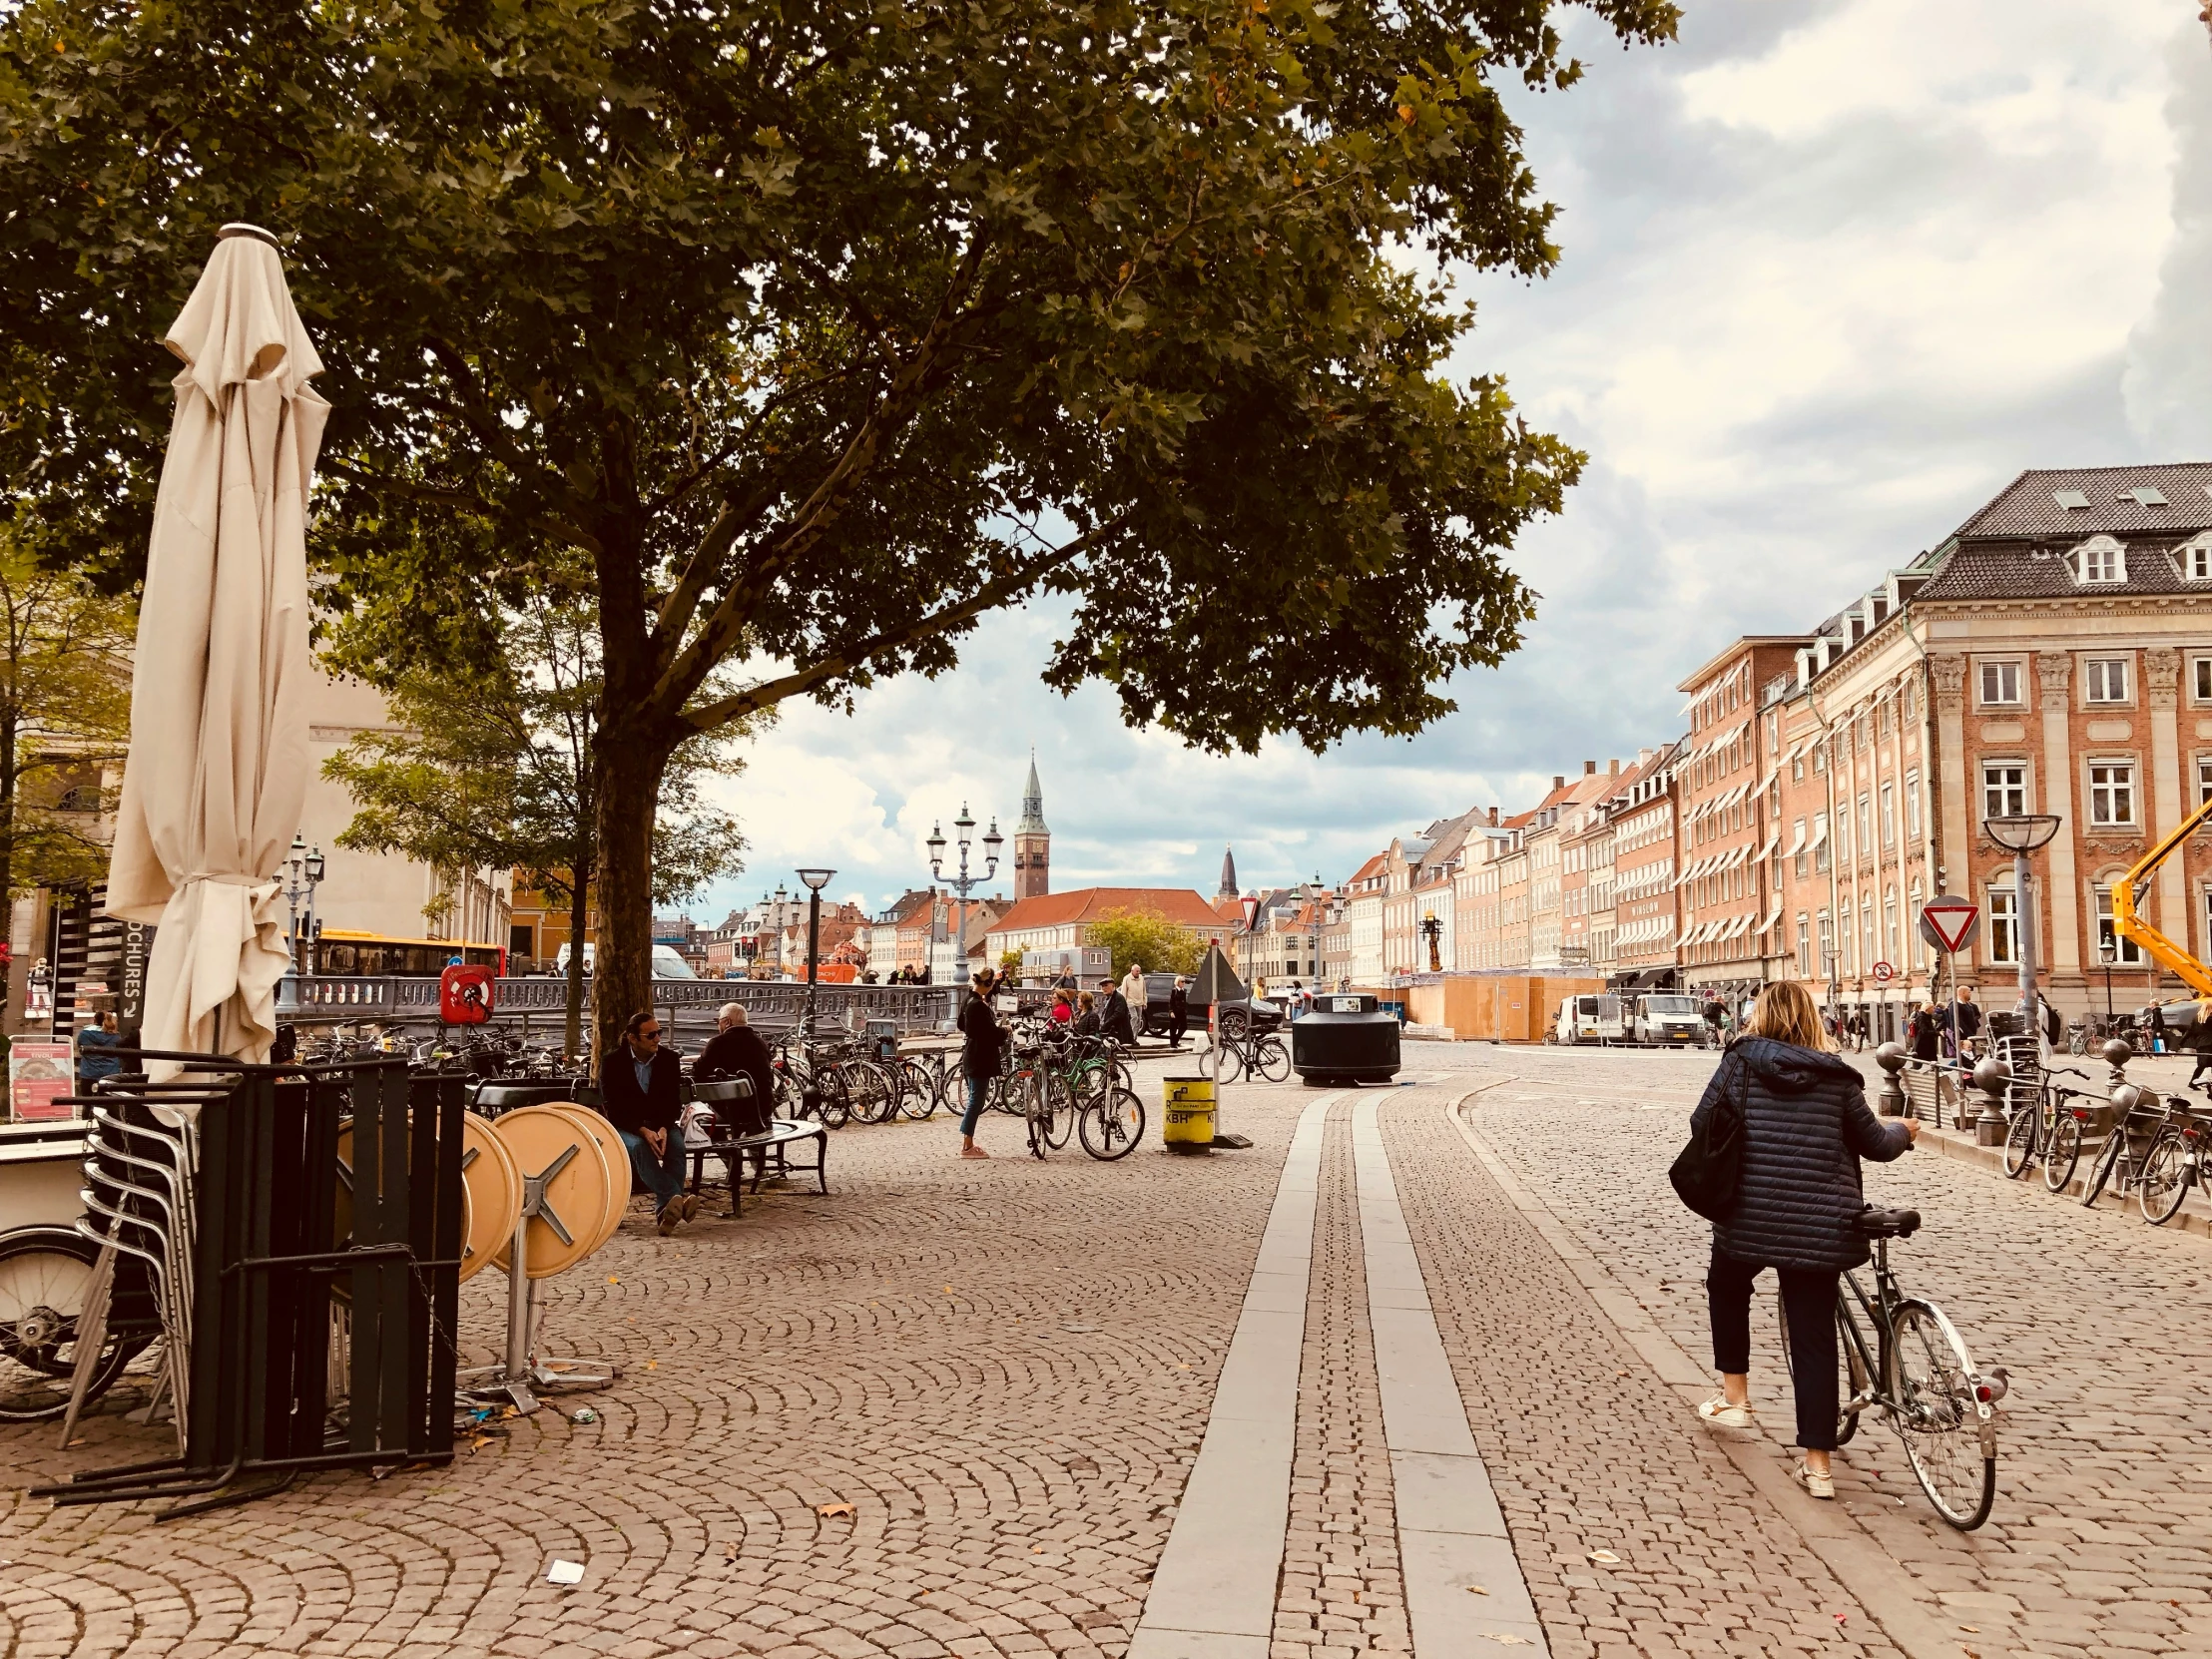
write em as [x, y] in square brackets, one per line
[2127, 925]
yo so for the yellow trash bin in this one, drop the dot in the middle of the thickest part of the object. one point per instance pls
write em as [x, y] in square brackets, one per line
[1187, 1122]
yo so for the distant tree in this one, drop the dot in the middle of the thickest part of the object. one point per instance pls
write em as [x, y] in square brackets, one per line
[489, 762]
[821, 332]
[65, 720]
[1146, 937]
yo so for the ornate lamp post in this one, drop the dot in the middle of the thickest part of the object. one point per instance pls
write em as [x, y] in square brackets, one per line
[303, 873]
[964, 883]
[782, 902]
[816, 880]
[2020, 834]
[2107, 953]
[1433, 930]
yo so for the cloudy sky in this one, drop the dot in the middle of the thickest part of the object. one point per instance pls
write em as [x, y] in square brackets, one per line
[1834, 270]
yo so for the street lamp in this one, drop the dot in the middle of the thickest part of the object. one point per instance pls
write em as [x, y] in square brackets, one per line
[783, 901]
[964, 883]
[303, 873]
[2020, 834]
[816, 880]
[2107, 953]
[1433, 930]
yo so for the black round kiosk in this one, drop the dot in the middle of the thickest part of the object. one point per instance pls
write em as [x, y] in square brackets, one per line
[1344, 1038]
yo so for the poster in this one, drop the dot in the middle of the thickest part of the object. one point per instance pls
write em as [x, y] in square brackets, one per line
[39, 1074]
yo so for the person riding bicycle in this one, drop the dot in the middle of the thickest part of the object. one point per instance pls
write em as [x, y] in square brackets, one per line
[1806, 1125]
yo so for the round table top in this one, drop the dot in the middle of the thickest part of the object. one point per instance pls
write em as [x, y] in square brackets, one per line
[578, 1192]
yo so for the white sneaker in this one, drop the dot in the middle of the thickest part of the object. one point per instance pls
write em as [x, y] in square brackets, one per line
[1722, 1414]
[1816, 1484]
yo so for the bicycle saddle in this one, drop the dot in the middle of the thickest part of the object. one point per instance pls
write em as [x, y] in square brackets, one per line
[1887, 1224]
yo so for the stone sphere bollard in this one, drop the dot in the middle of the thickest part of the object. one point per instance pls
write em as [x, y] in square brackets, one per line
[1992, 1077]
[1891, 1057]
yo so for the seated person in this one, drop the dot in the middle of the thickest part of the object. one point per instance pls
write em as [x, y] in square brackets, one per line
[1085, 1023]
[641, 1092]
[736, 1050]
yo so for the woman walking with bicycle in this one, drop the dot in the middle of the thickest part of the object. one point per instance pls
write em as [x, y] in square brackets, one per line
[1806, 1125]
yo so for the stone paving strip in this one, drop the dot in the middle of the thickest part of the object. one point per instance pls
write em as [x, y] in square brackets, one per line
[1213, 1590]
[1451, 1535]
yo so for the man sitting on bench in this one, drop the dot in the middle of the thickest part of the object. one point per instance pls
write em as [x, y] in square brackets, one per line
[736, 1050]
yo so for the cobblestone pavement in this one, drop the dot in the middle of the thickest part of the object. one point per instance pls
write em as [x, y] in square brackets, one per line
[2101, 1539]
[1003, 1367]
[1006, 1369]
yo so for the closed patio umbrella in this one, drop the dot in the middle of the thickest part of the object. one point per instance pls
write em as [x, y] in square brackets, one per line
[217, 770]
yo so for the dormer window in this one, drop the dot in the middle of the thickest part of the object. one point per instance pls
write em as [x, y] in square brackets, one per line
[2098, 561]
[2195, 558]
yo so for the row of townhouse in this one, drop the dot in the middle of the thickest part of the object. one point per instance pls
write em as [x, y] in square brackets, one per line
[2053, 654]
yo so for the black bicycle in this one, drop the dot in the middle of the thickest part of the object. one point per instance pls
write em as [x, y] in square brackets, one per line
[1904, 1358]
[1251, 1054]
[2049, 1126]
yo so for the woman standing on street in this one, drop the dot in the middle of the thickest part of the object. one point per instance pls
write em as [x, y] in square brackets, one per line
[981, 1045]
[1806, 1127]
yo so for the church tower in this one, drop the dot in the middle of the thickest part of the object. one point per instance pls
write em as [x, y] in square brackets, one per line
[1032, 842]
[1228, 875]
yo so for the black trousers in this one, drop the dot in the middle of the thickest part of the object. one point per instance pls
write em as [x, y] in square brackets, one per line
[1809, 1312]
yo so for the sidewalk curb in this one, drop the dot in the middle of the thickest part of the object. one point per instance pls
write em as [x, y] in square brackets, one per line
[1862, 1565]
[1956, 1144]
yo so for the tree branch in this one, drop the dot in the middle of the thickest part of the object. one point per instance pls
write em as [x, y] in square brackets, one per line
[989, 596]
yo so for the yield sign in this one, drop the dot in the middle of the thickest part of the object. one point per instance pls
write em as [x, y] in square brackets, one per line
[1949, 924]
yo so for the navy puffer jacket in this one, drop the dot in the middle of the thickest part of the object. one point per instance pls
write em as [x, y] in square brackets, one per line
[1806, 1125]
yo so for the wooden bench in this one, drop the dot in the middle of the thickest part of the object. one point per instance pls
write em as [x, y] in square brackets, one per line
[775, 1141]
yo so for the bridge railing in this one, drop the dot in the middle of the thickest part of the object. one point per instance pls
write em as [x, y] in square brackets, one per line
[307, 999]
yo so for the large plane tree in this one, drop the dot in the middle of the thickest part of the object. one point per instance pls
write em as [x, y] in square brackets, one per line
[820, 331]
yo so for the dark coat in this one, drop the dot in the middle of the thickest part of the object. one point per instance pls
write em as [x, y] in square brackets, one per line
[624, 1106]
[982, 1041]
[1926, 1032]
[739, 1052]
[1113, 1019]
[1806, 1125]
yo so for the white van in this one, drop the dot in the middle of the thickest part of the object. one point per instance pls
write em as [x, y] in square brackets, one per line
[667, 965]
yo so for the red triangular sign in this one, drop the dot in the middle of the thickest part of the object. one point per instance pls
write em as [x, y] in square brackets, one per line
[1953, 919]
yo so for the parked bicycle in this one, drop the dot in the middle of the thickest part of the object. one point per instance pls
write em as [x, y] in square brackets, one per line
[2174, 1162]
[1250, 1054]
[1095, 1080]
[2119, 1163]
[2049, 1126]
[1905, 1360]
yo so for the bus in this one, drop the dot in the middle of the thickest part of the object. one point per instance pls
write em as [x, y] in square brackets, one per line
[342, 953]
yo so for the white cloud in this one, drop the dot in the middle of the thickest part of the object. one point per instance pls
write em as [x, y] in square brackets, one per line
[1834, 273]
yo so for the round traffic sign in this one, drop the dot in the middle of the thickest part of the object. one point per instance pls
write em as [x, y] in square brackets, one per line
[1884, 973]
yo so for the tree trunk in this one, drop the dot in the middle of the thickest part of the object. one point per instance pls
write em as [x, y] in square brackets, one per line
[628, 770]
[579, 913]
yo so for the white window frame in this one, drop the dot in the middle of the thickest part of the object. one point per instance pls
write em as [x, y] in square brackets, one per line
[2110, 791]
[1912, 806]
[2204, 779]
[2099, 678]
[1998, 797]
[2001, 938]
[2130, 954]
[2194, 558]
[2200, 679]
[1889, 814]
[2099, 562]
[1994, 676]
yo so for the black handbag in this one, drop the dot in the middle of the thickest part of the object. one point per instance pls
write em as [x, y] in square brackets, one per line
[1708, 1174]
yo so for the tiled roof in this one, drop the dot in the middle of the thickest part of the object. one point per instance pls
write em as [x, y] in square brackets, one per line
[1054, 910]
[2028, 506]
[2007, 570]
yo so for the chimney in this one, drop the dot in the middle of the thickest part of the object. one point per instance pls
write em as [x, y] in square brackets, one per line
[1589, 769]
[1612, 769]
[1557, 781]
[1493, 817]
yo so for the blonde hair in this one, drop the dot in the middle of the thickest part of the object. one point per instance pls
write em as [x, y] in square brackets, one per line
[1784, 1012]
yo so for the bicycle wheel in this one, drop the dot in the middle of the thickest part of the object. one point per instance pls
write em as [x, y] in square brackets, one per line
[1112, 1125]
[2020, 1139]
[2064, 1151]
[1058, 1125]
[45, 1274]
[831, 1099]
[1232, 1062]
[2101, 1170]
[1272, 1059]
[917, 1091]
[2164, 1181]
[1953, 1448]
[1034, 1110]
[870, 1090]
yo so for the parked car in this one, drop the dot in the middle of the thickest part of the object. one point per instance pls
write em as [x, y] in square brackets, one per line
[1245, 1013]
[667, 965]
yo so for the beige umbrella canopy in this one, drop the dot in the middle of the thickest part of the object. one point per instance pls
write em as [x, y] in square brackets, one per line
[217, 774]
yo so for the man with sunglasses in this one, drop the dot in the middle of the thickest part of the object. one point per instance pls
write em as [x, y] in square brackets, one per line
[641, 1092]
